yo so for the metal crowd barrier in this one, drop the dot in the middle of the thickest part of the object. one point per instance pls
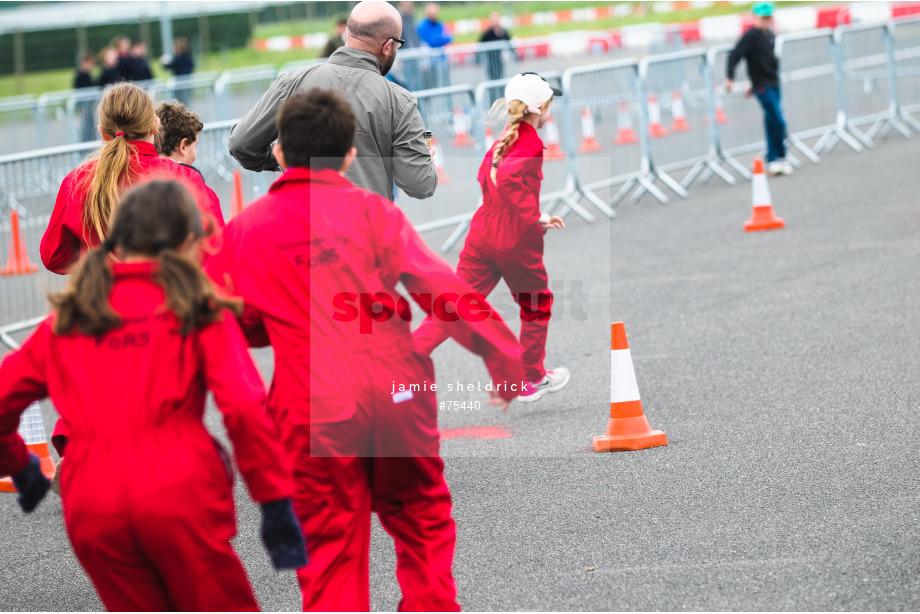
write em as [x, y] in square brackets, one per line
[810, 90]
[620, 124]
[905, 56]
[867, 78]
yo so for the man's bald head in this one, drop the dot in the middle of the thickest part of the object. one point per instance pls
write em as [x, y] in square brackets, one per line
[374, 20]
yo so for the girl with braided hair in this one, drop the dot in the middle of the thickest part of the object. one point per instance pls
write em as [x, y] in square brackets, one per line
[128, 357]
[506, 234]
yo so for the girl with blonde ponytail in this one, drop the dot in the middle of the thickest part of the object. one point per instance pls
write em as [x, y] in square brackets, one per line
[89, 194]
[506, 235]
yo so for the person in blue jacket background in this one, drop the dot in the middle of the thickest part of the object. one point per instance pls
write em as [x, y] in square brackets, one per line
[435, 35]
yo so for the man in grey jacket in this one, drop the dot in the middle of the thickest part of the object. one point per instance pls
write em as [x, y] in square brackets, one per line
[390, 131]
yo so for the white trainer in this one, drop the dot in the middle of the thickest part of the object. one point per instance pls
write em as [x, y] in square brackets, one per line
[553, 381]
[787, 167]
[776, 168]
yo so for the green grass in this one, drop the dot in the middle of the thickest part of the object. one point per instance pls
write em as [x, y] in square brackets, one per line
[39, 82]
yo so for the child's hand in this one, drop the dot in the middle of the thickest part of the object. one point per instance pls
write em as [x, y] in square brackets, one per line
[553, 222]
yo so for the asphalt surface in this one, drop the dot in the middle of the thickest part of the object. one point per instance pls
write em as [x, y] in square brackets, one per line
[781, 365]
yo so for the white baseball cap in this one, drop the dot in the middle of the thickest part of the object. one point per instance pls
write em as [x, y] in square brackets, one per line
[531, 89]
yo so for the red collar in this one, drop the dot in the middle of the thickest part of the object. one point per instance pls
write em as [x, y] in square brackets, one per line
[144, 148]
[140, 268]
[299, 174]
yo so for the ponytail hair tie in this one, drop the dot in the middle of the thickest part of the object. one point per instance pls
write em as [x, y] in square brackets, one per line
[108, 245]
[117, 134]
[160, 244]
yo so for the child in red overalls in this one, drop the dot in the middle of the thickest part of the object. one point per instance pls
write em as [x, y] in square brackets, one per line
[127, 359]
[506, 233]
[317, 261]
[89, 194]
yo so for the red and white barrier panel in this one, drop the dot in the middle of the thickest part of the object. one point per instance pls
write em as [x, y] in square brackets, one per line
[720, 28]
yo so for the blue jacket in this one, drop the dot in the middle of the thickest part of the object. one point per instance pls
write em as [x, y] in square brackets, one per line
[433, 33]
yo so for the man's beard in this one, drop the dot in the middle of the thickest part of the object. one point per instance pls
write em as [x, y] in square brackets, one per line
[385, 68]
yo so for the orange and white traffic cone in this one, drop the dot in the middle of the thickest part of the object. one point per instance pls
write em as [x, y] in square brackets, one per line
[720, 108]
[461, 129]
[32, 431]
[677, 112]
[438, 160]
[762, 216]
[236, 197]
[625, 133]
[490, 138]
[628, 428]
[18, 262]
[553, 151]
[588, 138]
[655, 129]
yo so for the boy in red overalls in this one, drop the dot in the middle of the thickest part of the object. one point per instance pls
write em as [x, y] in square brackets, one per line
[317, 261]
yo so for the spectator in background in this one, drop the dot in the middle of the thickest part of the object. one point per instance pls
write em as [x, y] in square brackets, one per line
[336, 40]
[181, 65]
[180, 62]
[111, 67]
[756, 47]
[407, 12]
[433, 33]
[84, 76]
[410, 66]
[122, 45]
[495, 67]
[86, 107]
[140, 67]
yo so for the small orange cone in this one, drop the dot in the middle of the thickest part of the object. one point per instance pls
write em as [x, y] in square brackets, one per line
[236, 198]
[461, 129]
[18, 262]
[628, 428]
[655, 129]
[720, 108]
[490, 138]
[677, 112]
[552, 151]
[588, 138]
[438, 160]
[625, 133]
[32, 431]
[762, 217]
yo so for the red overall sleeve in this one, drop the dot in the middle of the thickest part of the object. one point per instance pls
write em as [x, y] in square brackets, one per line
[59, 247]
[240, 396]
[405, 257]
[22, 381]
[221, 268]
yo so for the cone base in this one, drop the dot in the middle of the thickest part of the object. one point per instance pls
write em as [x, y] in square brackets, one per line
[763, 218]
[626, 138]
[589, 145]
[606, 443]
[462, 142]
[656, 131]
[680, 126]
[47, 464]
[553, 153]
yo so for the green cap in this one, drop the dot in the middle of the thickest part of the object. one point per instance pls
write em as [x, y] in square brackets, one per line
[763, 9]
